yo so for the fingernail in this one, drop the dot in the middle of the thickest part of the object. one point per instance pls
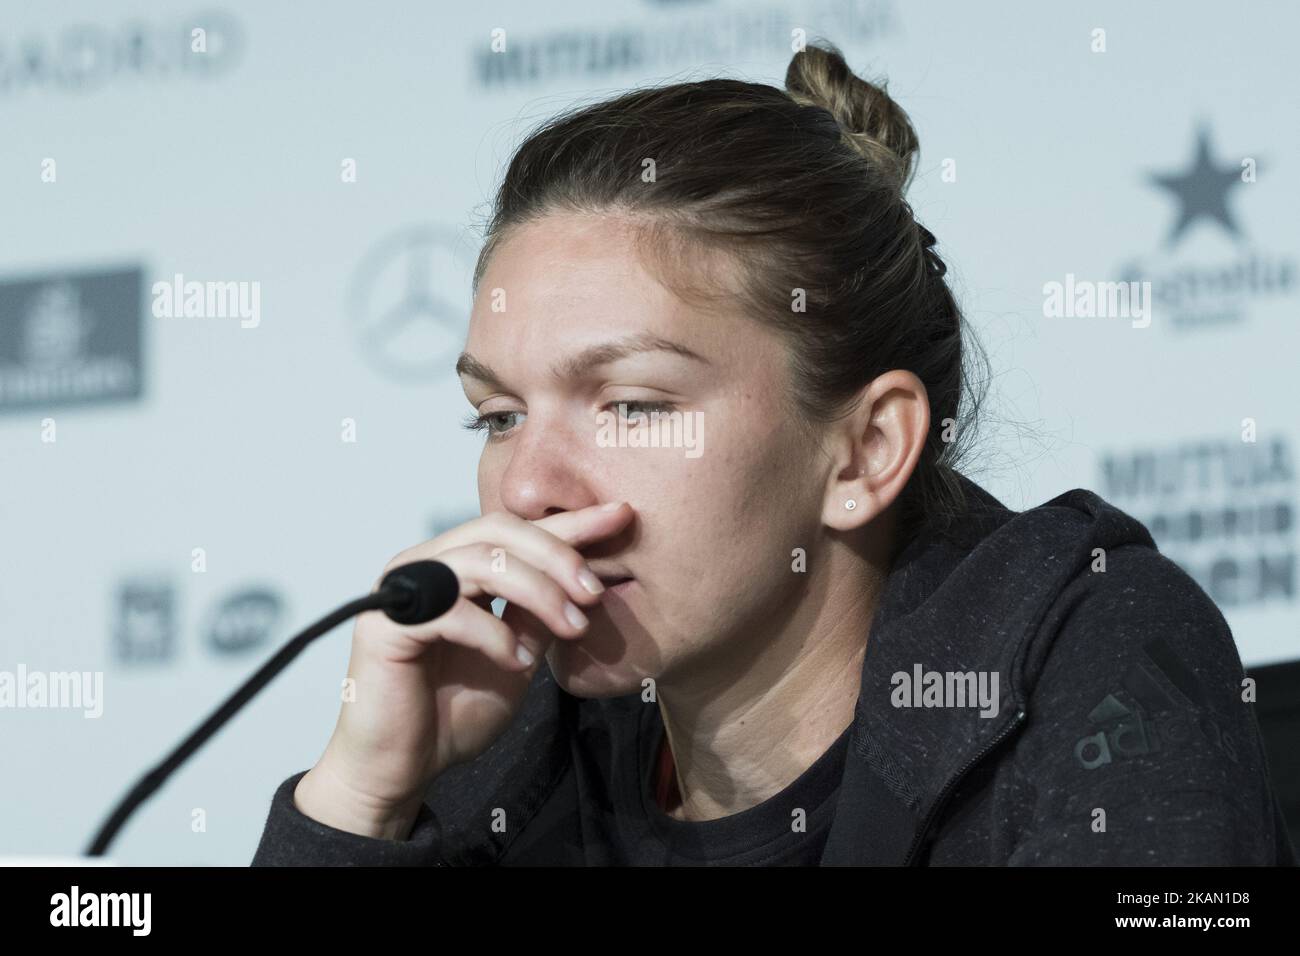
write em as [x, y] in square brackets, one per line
[524, 655]
[590, 581]
[575, 616]
[612, 506]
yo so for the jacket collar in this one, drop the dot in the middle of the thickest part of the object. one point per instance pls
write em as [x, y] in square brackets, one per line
[966, 600]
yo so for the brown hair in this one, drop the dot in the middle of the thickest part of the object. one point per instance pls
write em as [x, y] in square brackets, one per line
[803, 190]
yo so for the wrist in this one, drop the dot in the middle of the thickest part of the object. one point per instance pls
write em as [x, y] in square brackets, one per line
[326, 797]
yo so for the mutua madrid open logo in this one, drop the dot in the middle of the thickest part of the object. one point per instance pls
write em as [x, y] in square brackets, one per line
[1149, 714]
[1223, 508]
[1208, 273]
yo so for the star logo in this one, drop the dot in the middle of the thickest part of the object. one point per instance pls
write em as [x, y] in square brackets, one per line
[1201, 191]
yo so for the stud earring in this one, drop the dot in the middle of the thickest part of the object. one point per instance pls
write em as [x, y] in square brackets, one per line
[850, 504]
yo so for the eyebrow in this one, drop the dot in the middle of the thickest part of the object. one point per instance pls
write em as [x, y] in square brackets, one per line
[582, 363]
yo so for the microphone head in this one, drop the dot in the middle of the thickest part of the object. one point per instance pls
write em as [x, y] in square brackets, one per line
[419, 591]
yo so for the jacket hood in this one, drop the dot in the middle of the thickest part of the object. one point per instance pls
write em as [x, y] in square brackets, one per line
[968, 599]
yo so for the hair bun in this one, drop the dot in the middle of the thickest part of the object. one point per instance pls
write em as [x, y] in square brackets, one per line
[869, 119]
[933, 260]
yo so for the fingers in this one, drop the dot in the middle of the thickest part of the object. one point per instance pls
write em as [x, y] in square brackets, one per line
[484, 569]
[469, 625]
[549, 543]
[587, 525]
[533, 565]
[529, 631]
[484, 573]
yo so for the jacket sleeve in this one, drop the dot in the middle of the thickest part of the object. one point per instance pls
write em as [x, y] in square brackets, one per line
[291, 838]
[454, 826]
[1145, 749]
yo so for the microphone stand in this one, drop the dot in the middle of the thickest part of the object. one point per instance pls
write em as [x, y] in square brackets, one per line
[151, 781]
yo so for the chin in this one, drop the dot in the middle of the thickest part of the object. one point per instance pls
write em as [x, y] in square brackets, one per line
[582, 675]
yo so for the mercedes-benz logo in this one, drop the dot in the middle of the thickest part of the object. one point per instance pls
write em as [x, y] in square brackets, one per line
[404, 301]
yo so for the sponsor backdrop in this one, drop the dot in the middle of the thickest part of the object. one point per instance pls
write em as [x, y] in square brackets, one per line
[181, 492]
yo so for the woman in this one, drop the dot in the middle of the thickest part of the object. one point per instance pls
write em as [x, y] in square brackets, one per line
[753, 614]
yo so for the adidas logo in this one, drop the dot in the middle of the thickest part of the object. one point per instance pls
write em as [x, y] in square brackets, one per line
[1158, 715]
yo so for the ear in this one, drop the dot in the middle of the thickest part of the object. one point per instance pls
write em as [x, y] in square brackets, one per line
[878, 447]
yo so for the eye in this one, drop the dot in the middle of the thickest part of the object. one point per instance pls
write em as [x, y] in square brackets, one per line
[499, 424]
[639, 412]
[496, 424]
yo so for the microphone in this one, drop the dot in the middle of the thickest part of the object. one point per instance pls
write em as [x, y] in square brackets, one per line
[409, 594]
[419, 591]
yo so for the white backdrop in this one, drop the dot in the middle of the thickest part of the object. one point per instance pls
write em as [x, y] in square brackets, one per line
[129, 440]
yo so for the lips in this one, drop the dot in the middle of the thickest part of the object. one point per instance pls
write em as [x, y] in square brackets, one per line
[617, 589]
[610, 577]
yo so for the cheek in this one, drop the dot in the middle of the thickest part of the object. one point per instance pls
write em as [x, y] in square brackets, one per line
[490, 467]
[729, 518]
[775, 509]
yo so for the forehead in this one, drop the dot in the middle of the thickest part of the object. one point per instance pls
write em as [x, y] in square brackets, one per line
[569, 279]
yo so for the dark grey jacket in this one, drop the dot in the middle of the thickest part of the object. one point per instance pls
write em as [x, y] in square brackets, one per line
[1122, 736]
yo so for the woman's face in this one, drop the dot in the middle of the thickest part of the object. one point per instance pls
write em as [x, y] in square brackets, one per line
[566, 325]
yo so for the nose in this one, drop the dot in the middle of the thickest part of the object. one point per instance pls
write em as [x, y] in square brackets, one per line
[548, 471]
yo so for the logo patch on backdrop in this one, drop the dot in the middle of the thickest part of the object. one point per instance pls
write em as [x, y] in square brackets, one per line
[1223, 510]
[88, 57]
[1208, 273]
[406, 316]
[146, 622]
[71, 338]
[244, 621]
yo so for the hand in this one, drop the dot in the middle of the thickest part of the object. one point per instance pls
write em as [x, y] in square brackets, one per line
[433, 695]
